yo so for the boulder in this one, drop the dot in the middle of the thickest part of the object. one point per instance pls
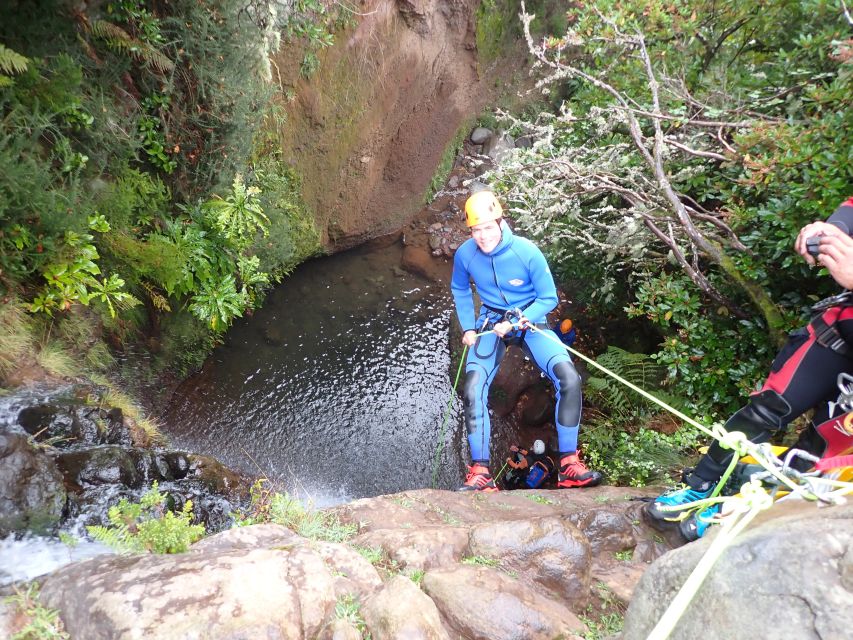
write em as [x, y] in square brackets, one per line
[551, 551]
[32, 495]
[607, 530]
[401, 611]
[422, 548]
[480, 134]
[482, 603]
[276, 593]
[791, 577]
[499, 147]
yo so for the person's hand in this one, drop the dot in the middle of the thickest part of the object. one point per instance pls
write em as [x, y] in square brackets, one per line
[469, 338]
[817, 228]
[836, 254]
[524, 323]
[502, 328]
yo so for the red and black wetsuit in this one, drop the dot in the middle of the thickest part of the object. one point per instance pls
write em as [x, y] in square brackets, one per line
[802, 376]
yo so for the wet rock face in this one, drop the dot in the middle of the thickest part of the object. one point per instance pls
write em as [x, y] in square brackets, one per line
[63, 455]
[552, 551]
[75, 426]
[32, 495]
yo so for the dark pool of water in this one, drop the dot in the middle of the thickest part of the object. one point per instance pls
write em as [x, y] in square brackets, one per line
[336, 388]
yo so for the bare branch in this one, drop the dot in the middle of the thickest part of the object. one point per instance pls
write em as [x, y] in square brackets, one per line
[694, 152]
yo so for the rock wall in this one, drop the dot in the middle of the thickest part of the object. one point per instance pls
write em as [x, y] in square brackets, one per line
[369, 128]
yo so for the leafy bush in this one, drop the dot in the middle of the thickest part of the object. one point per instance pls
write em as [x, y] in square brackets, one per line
[134, 115]
[148, 526]
[40, 623]
[640, 457]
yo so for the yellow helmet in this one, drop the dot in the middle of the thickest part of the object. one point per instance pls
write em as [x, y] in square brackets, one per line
[482, 207]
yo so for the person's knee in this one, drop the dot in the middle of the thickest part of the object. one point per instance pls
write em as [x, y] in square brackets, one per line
[566, 378]
[471, 393]
[765, 412]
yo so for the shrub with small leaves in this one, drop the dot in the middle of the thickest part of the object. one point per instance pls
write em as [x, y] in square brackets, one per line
[148, 526]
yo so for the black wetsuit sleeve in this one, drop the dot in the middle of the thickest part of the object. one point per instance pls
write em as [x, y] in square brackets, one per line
[842, 217]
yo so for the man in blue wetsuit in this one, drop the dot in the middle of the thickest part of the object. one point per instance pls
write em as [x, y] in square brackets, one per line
[510, 273]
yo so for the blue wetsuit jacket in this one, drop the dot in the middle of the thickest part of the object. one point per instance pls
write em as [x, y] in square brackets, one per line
[514, 274]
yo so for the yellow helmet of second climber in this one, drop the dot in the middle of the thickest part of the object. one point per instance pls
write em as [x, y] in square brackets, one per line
[482, 207]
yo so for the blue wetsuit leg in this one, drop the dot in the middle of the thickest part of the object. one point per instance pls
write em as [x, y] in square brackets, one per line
[480, 369]
[553, 359]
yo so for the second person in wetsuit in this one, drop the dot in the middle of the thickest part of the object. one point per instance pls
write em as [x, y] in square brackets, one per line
[510, 273]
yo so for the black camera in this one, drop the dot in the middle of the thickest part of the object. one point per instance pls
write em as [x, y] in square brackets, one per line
[813, 246]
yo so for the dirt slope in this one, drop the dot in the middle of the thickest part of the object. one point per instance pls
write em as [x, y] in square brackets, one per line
[367, 130]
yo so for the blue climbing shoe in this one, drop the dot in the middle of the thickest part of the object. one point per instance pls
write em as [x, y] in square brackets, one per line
[694, 526]
[696, 489]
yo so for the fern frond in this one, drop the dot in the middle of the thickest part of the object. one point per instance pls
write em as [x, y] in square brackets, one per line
[159, 301]
[115, 537]
[637, 368]
[12, 62]
[120, 40]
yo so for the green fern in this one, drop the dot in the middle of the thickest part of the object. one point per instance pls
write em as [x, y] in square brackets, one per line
[12, 62]
[120, 40]
[147, 526]
[637, 368]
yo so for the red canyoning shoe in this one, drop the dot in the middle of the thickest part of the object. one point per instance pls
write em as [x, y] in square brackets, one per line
[574, 473]
[478, 479]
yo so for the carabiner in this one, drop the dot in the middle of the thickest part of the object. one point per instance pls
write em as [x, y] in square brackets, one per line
[516, 313]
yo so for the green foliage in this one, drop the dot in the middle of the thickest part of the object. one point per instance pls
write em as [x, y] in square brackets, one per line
[448, 157]
[267, 505]
[602, 626]
[348, 607]
[12, 62]
[238, 216]
[640, 457]
[148, 526]
[292, 236]
[605, 618]
[374, 555]
[481, 561]
[71, 279]
[724, 288]
[613, 396]
[218, 303]
[16, 336]
[40, 623]
[135, 112]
